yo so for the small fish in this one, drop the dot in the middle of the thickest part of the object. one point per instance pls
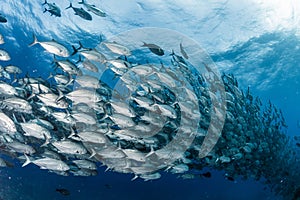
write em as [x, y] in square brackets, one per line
[47, 163]
[88, 65]
[81, 12]
[4, 56]
[12, 69]
[53, 9]
[69, 147]
[117, 48]
[87, 81]
[67, 66]
[17, 105]
[63, 191]
[183, 53]
[85, 164]
[90, 54]
[7, 90]
[206, 174]
[2, 19]
[52, 47]
[108, 186]
[93, 9]
[21, 148]
[154, 49]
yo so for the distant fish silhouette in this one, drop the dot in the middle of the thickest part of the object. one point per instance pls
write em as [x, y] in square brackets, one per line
[154, 49]
[206, 174]
[63, 191]
[53, 9]
[2, 19]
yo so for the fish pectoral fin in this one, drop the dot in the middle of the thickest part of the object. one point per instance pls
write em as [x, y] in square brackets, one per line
[135, 177]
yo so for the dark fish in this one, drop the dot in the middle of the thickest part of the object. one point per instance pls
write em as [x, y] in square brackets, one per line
[2, 19]
[206, 174]
[154, 49]
[81, 12]
[296, 137]
[53, 12]
[53, 9]
[298, 144]
[108, 186]
[63, 191]
[229, 178]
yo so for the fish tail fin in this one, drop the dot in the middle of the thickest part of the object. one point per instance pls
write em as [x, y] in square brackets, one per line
[80, 45]
[27, 161]
[144, 44]
[70, 82]
[70, 6]
[47, 141]
[54, 59]
[72, 133]
[31, 96]
[35, 41]
[79, 59]
[45, 3]
[82, 2]
[74, 50]
[93, 153]
[45, 10]
[50, 76]
[60, 95]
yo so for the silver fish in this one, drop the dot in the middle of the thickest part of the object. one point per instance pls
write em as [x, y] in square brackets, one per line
[52, 47]
[117, 48]
[34, 130]
[52, 100]
[7, 90]
[68, 66]
[93, 54]
[48, 163]
[43, 123]
[69, 147]
[7, 125]
[13, 69]
[85, 164]
[84, 96]
[20, 147]
[93, 137]
[4, 56]
[88, 65]
[17, 104]
[88, 81]
[84, 118]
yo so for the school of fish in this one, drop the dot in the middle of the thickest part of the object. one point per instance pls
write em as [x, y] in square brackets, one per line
[73, 121]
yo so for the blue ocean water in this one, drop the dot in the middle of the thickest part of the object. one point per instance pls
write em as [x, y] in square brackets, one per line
[258, 42]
